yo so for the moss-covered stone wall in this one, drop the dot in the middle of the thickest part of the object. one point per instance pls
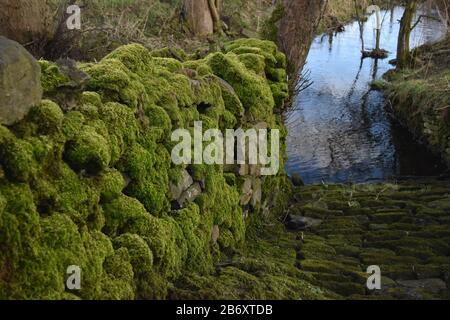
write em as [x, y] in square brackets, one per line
[85, 178]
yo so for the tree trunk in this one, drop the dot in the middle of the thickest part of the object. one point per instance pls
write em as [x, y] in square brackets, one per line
[443, 10]
[32, 23]
[215, 15]
[297, 28]
[377, 46]
[203, 16]
[403, 48]
[360, 24]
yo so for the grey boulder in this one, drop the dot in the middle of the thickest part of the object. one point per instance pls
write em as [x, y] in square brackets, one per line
[20, 82]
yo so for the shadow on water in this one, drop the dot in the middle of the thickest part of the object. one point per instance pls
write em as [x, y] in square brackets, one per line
[339, 130]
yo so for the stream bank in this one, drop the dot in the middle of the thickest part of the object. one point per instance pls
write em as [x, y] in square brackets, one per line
[419, 98]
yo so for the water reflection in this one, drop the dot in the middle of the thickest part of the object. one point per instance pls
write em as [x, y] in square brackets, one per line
[339, 130]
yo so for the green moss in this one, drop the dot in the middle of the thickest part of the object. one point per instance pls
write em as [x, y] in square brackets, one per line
[122, 129]
[159, 120]
[175, 53]
[148, 284]
[170, 64]
[120, 272]
[72, 124]
[318, 249]
[48, 117]
[135, 57]
[51, 77]
[378, 85]
[72, 195]
[17, 159]
[126, 215]
[111, 78]
[270, 28]
[418, 100]
[63, 195]
[280, 93]
[88, 151]
[277, 75]
[92, 98]
[277, 191]
[110, 183]
[149, 174]
[140, 255]
[199, 66]
[197, 235]
[253, 61]
[89, 111]
[253, 91]
[273, 57]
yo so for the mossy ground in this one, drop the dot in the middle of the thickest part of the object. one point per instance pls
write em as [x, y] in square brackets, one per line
[403, 227]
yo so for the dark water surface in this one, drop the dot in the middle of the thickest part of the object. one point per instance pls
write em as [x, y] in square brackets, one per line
[339, 130]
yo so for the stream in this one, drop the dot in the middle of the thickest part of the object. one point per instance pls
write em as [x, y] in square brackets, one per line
[338, 128]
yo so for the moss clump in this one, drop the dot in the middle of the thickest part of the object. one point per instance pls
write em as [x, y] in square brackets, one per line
[119, 128]
[170, 64]
[280, 91]
[115, 82]
[51, 77]
[253, 90]
[160, 121]
[268, 49]
[126, 215]
[175, 53]
[88, 151]
[48, 117]
[149, 173]
[92, 98]
[110, 183]
[17, 160]
[199, 66]
[72, 124]
[141, 258]
[378, 85]
[134, 57]
[254, 62]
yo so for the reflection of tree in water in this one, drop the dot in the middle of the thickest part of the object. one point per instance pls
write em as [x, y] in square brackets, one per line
[339, 143]
[339, 130]
[356, 143]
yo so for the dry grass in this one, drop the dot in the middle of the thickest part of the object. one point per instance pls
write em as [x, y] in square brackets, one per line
[155, 24]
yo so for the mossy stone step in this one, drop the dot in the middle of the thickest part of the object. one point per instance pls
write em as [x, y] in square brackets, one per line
[404, 228]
